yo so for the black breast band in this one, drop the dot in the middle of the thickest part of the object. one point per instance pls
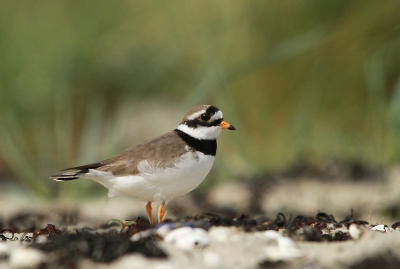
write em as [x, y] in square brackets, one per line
[207, 147]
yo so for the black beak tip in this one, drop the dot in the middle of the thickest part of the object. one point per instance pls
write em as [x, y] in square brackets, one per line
[231, 127]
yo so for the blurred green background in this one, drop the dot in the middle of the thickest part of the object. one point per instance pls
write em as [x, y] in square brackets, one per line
[82, 80]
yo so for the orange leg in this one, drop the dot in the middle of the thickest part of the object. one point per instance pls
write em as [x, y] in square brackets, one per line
[148, 212]
[161, 212]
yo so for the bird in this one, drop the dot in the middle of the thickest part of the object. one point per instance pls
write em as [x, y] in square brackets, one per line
[162, 168]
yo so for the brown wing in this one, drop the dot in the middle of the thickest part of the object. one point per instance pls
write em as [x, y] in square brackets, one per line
[160, 151]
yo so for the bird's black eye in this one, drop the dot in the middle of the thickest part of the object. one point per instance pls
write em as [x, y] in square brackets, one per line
[205, 117]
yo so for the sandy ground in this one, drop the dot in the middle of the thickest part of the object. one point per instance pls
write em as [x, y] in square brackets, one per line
[231, 247]
[245, 250]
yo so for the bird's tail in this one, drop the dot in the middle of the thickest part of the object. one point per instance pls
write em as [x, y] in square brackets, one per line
[65, 176]
[75, 172]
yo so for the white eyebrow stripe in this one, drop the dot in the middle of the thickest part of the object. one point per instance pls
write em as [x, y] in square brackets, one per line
[196, 115]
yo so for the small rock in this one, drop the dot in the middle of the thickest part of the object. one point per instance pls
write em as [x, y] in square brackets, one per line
[188, 238]
[355, 231]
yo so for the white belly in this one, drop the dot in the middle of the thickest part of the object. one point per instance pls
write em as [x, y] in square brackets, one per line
[158, 184]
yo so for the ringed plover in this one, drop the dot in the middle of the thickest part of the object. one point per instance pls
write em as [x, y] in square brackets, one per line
[161, 168]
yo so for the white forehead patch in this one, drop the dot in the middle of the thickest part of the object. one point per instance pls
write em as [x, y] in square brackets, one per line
[217, 116]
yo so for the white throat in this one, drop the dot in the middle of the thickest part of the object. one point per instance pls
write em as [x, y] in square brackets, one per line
[201, 132]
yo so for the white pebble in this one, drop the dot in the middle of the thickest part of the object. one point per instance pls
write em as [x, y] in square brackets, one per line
[355, 231]
[188, 238]
[273, 235]
[24, 257]
[41, 239]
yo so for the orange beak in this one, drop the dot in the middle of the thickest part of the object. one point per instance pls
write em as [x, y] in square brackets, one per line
[225, 125]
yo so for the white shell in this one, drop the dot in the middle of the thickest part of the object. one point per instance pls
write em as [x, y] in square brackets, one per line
[381, 228]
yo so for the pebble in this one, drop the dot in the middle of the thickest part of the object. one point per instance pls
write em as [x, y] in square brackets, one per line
[188, 238]
[355, 231]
